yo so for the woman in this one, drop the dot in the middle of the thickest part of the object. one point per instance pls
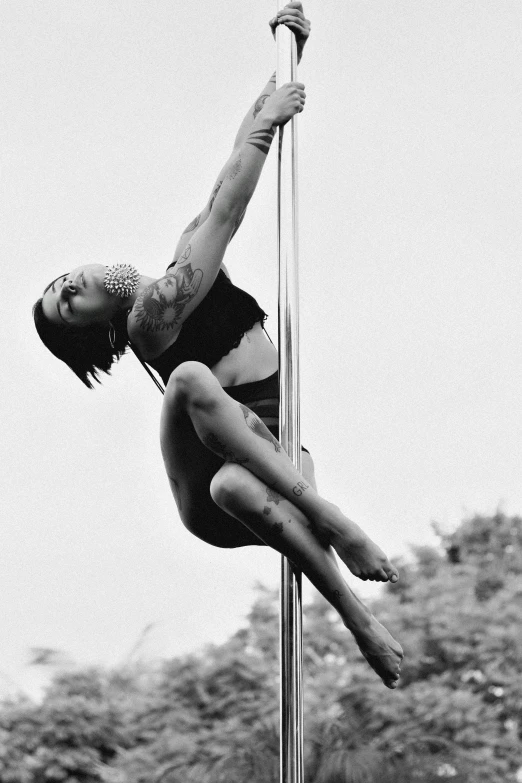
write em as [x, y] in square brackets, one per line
[232, 482]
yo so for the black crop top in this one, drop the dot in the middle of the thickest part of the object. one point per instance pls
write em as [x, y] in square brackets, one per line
[213, 329]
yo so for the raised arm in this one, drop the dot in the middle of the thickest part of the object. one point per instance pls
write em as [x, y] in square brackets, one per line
[292, 16]
[159, 312]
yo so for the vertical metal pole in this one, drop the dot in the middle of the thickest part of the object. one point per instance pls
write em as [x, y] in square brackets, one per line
[291, 743]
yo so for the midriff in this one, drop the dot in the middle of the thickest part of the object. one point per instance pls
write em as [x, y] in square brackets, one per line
[254, 359]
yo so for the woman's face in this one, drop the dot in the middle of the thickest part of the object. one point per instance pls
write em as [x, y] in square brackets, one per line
[79, 298]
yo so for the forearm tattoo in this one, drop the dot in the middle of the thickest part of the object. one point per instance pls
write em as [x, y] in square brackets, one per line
[214, 444]
[236, 168]
[258, 427]
[260, 103]
[160, 307]
[262, 139]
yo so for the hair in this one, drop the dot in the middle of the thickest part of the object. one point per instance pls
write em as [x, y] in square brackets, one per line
[87, 349]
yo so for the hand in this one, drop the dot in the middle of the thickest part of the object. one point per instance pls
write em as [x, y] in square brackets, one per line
[292, 16]
[284, 103]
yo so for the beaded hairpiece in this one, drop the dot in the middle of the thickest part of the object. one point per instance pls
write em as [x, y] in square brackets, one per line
[121, 280]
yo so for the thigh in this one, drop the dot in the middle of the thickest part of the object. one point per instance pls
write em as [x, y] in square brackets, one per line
[190, 468]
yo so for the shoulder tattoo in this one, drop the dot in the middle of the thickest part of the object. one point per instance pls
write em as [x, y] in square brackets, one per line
[160, 307]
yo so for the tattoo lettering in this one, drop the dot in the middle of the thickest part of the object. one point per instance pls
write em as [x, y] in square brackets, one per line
[258, 427]
[192, 226]
[160, 307]
[236, 169]
[262, 139]
[260, 103]
[272, 496]
[300, 487]
[215, 445]
[213, 196]
[337, 594]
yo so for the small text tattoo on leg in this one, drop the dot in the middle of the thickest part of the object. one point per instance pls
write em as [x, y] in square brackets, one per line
[300, 487]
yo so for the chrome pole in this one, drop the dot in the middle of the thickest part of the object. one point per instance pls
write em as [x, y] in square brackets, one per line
[291, 738]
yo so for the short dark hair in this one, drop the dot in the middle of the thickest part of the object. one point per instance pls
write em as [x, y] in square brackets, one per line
[87, 349]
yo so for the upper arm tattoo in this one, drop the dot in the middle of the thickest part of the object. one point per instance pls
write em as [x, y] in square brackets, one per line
[193, 225]
[160, 307]
[214, 194]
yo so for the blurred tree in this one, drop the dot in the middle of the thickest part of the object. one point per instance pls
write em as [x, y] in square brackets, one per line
[213, 716]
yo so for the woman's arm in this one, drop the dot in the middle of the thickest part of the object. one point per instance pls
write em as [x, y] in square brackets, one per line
[240, 139]
[292, 16]
[159, 312]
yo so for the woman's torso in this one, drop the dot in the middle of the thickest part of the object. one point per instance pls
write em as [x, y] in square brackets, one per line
[225, 332]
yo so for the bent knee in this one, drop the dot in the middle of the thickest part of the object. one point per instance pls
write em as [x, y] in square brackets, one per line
[189, 382]
[228, 485]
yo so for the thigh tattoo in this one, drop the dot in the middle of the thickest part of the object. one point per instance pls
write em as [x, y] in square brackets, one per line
[258, 427]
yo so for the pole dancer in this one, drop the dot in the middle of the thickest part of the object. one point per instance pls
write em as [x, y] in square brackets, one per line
[233, 483]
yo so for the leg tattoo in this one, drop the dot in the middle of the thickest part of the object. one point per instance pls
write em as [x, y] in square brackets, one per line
[214, 444]
[272, 496]
[259, 428]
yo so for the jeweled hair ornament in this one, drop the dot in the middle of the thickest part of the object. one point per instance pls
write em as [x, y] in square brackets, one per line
[121, 280]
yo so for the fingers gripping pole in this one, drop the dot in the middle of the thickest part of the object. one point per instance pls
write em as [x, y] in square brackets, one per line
[291, 742]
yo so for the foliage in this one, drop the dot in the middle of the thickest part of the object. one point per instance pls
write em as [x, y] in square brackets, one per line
[213, 716]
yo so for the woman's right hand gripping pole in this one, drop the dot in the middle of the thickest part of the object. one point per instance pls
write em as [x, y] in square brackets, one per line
[284, 103]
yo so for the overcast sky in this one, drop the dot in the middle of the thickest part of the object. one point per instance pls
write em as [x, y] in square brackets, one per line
[116, 118]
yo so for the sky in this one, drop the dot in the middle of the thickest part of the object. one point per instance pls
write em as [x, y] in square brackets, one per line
[116, 118]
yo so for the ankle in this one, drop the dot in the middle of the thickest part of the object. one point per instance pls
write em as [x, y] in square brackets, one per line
[329, 520]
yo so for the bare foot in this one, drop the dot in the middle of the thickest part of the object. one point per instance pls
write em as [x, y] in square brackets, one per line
[381, 651]
[364, 558]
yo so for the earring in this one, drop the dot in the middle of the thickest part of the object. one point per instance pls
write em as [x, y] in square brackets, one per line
[121, 280]
[112, 335]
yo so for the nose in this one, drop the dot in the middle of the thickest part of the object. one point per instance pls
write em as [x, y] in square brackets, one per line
[69, 287]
